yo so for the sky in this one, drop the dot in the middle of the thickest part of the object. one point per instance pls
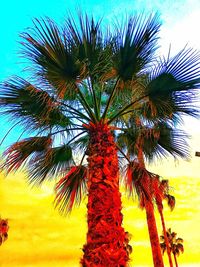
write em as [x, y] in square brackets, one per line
[38, 235]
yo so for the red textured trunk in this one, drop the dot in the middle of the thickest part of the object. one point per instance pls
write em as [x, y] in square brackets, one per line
[153, 234]
[175, 259]
[165, 236]
[151, 221]
[106, 239]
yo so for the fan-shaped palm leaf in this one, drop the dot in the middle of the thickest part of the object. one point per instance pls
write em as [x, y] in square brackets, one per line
[54, 162]
[30, 105]
[69, 189]
[155, 140]
[48, 48]
[135, 45]
[169, 85]
[19, 152]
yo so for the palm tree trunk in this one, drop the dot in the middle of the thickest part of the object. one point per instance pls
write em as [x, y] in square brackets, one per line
[153, 234]
[151, 221]
[165, 236]
[175, 260]
[106, 239]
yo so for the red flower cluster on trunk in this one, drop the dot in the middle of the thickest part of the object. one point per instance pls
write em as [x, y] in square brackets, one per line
[107, 243]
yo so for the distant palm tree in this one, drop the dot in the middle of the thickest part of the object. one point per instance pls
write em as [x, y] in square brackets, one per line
[176, 244]
[161, 192]
[3, 230]
[83, 82]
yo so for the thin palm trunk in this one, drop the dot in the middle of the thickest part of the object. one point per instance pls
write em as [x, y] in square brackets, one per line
[106, 239]
[153, 234]
[175, 259]
[165, 236]
[151, 221]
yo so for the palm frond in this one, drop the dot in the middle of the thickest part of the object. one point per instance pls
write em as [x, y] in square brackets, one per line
[46, 46]
[172, 84]
[31, 106]
[171, 201]
[136, 43]
[69, 189]
[163, 247]
[138, 179]
[173, 141]
[93, 47]
[16, 155]
[164, 140]
[54, 162]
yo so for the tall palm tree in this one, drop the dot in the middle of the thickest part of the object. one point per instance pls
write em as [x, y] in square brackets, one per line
[176, 244]
[83, 81]
[146, 142]
[3, 230]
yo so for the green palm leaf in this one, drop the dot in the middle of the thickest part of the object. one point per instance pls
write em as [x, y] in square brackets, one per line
[18, 153]
[135, 45]
[156, 140]
[171, 85]
[54, 162]
[33, 107]
[93, 48]
[48, 48]
[69, 189]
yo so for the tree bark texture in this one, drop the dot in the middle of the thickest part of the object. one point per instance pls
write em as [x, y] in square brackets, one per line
[165, 237]
[107, 244]
[151, 221]
[153, 234]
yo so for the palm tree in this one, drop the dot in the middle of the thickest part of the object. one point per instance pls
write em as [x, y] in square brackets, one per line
[144, 142]
[3, 230]
[161, 189]
[83, 82]
[176, 244]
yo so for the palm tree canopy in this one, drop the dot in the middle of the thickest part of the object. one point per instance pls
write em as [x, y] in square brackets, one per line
[176, 243]
[81, 75]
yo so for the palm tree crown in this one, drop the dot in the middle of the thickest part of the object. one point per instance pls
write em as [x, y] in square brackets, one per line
[175, 244]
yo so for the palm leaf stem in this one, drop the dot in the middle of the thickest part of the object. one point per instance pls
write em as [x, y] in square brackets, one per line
[123, 154]
[126, 112]
[110, 99]
[86, 105]
[100, 94]
[121, 112]
[76, 136]
[73, 129]
[8, 132]
[96, 106]
[76, 112]
[44, 129]
[82, 159]
[20, 136]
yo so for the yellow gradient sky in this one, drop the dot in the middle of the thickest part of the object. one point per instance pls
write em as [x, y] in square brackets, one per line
[40, 237]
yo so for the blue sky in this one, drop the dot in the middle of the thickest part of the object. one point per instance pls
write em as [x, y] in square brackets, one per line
[181, 20]
[16, 16]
